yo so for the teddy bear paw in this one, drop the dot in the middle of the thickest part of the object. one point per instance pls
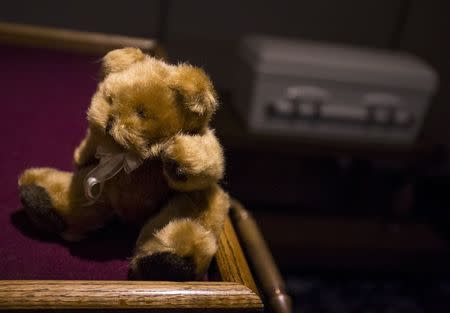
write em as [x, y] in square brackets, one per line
[174, 170]
[37, 204]
[164, 266]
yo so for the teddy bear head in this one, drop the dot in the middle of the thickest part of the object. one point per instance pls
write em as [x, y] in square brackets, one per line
[143, 101]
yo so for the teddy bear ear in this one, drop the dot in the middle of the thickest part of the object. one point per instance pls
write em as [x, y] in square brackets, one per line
[120, 59]
[194, 90]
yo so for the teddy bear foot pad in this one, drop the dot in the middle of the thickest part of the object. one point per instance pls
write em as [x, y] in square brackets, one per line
[165, 266]
[38, 206]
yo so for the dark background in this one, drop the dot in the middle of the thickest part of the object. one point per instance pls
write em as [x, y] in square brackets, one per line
[206, 33]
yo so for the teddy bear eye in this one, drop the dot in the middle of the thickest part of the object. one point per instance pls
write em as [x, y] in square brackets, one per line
[141, 113]
[109, 99]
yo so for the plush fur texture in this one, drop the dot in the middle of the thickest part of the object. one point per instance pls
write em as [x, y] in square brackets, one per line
[161, 113]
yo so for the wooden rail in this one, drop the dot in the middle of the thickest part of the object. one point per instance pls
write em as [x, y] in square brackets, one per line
[267, 273]
[230, 258]
[71, 40]
[63, 294]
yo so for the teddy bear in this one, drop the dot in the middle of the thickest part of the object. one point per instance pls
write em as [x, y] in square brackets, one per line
[149, 158]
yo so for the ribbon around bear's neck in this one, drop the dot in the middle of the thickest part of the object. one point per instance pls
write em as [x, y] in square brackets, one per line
[111, 163]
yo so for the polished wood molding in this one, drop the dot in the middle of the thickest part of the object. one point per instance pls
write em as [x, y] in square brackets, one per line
[66, 294]
[72, 40]
[230, 258]
[266, 271]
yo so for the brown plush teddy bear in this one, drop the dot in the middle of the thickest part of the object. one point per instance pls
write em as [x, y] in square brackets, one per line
[149, 158]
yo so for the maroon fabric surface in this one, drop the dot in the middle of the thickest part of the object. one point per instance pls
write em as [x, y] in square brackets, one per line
[44, 96]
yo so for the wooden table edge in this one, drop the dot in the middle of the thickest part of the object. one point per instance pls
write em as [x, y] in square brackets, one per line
[72, 40]
[92, 294]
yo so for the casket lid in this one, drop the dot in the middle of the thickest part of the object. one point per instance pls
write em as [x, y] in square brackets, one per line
[343, 63]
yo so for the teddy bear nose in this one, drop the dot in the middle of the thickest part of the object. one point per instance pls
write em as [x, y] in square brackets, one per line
[109, 124]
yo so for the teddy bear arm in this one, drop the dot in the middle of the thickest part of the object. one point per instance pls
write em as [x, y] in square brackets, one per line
[193, 162]
[84, 154]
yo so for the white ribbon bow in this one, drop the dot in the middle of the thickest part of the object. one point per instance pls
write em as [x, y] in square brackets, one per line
[111, 163]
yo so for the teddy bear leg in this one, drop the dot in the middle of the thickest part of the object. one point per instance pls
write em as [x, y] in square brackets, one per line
[180, 251]
[180, 242]
[54, 201]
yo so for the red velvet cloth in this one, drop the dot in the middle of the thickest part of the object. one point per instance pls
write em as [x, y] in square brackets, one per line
[44, 96]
